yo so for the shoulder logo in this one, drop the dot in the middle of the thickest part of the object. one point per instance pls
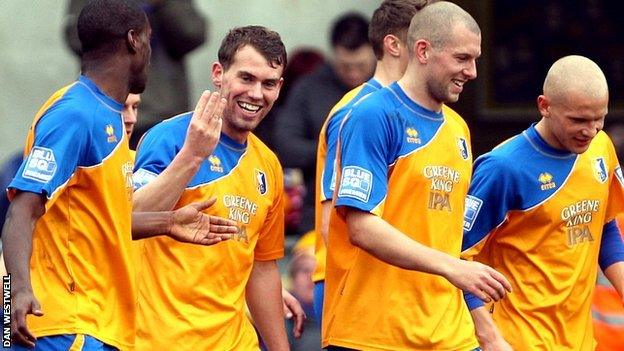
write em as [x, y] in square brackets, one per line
[618, 175]
[412, 136]
[215, 164]
[546, 181]
[142, 177]
[110, 132]
[600, 169]
[261, 182]
[472, 207]
[41, 165]
[463, 148]
[356, 183]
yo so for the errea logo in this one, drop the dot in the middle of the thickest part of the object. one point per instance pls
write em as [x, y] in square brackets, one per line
[546, 180]
[412, 136]
[110, 132]
[215, 164]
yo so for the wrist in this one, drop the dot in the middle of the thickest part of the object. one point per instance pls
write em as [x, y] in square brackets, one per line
[189, 159]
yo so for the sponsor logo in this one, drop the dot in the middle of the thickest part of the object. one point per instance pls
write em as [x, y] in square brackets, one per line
[577, 219]
[41, 165]
[356, 183]
[261, 182]
[412, 136]
[215, 164]
[142, 177]
[463, 148]
[600, 169]
[473, 206]
[546, 181]
[618, 175]
[110, 132]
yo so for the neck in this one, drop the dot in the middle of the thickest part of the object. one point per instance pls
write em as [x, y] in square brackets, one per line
[544, 132]
[415, 87]
[108, 77]
[235, 134]
[387, 71]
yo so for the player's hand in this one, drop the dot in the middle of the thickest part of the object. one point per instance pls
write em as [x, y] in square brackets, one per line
[190, 225]
[496, 344]
[23, 303]
[204, 130]
[293, 310]
[482, 281]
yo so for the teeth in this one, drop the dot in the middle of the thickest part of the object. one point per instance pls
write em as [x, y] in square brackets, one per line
[249, 107]
[459, 83]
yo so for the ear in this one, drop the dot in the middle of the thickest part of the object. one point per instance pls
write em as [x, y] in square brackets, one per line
[421, 50]
[392, 45]
[132, 41]
[543, 106]
[217, 74]
[279, 87]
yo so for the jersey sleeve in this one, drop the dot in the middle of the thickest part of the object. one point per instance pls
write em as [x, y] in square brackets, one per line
[615, 204]
[270, 245]
[366, 147]
[329, 169]
[156, 151]
[490, 197]
[60, 145]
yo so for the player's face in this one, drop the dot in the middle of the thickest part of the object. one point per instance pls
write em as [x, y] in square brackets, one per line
[251, 86]
[138, 79]
[573, 120]
[354, 67]
[454, 64]
[130, 112]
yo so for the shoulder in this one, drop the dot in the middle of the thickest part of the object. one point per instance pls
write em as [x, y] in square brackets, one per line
[173, 129]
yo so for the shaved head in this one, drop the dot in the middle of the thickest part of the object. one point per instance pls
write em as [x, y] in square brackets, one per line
[575, 75]
[435, 23]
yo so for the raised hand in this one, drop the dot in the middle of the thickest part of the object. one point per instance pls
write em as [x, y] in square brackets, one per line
[204, 130]
[190, 225]
[22, 304]
[481, 280]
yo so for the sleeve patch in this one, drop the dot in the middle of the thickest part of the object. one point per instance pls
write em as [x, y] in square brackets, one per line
[142, 177]
[356, 182]
[473, 206]
[619, 176]
[41, 165]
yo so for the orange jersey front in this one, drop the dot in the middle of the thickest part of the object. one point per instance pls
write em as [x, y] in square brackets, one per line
[191, 296]
[536, 214]
[78, 157]
[411, 167]
[325, 157]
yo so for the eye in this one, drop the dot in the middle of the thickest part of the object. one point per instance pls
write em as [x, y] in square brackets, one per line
[270, 84]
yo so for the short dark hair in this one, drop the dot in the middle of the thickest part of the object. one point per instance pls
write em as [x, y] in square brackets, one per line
[102, 24]
[350, 31]
[267, 42]
[392, 17]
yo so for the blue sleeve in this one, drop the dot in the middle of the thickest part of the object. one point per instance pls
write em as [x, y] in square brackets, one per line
[366, 149]
[156, 151]
[611, 247]
[61, 142]
[331, 138]
[472, 301]
[490, 197]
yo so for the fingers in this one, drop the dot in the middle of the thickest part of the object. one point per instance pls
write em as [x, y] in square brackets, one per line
[222, 229]
[200, 206]
[501, 279]
[287, 312]
[213, 110]
[201, 104]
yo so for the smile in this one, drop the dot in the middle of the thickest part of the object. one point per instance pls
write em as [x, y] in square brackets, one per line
[248, 107]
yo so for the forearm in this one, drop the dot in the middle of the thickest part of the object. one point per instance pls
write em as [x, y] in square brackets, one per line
[326, 207]
[377, 237]
[264, 299]
[615, 274]
[149, 224]
[162, 193]
[485, 329]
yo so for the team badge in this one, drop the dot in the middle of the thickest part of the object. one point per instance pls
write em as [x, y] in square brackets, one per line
[412, 136]
[41, 165]
[600, 169]
[618, 175]
[463, 148]
[215, 164]
[546, 181]
[261, 183]
[110, 132]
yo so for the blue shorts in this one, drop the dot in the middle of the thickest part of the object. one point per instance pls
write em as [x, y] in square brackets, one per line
[319, 294]
[66, 342]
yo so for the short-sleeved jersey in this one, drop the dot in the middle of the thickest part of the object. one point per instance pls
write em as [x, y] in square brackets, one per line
[193, 295]
[536, 214]
[325, 157]
[77, 156]
[411, 167]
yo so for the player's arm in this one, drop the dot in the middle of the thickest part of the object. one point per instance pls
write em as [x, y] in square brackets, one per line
[487, 333]
[187, 224]
[17, 237]
[202, 136]
[377, 237]
[611, 257]
[264, 299]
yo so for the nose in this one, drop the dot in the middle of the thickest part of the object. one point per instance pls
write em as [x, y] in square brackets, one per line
[255, 91]
[471, 70]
